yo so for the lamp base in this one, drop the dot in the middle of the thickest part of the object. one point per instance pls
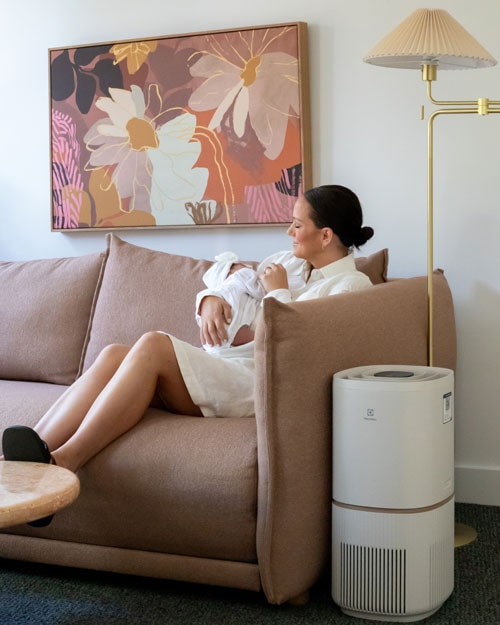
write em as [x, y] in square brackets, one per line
[464, 535]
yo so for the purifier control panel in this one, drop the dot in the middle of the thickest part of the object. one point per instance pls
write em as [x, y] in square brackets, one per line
[447, 407]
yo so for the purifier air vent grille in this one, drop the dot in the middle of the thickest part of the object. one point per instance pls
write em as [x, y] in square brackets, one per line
[439, 558]
[372, 579]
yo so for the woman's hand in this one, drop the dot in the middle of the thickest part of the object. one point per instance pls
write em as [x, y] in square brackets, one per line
[215, 315]
[274, 277]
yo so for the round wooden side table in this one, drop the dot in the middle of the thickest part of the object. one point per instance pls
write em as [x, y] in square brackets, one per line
[31, 490]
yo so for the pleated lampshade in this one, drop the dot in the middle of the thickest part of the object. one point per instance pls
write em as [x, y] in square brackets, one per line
[430, 37]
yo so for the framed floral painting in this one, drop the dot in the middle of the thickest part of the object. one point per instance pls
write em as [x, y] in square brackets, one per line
[201, 129]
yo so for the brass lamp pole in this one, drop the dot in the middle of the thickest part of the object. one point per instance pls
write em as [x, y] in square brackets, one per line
[426, 40]
[482, 106]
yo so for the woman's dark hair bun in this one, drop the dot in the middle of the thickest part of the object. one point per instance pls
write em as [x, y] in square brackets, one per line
[365, 234]
[339, 208]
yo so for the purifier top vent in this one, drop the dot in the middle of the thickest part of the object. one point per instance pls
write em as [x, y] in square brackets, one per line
[399, 374]
[394, 374]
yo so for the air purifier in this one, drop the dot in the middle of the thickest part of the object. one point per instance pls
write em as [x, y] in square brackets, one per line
[393, 491]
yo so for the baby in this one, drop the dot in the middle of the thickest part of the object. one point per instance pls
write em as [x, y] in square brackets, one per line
[240, 286]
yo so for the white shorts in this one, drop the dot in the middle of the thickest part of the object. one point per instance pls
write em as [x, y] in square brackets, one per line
[221, 384]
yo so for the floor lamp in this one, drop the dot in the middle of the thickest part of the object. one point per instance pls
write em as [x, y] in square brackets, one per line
[430, 39]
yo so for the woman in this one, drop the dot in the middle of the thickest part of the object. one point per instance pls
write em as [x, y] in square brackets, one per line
[113, 394]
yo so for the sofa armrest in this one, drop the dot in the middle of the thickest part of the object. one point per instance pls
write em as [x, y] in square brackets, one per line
[299, 347]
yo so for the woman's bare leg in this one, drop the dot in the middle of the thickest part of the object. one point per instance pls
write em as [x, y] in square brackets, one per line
[150, 364]
[64, 417]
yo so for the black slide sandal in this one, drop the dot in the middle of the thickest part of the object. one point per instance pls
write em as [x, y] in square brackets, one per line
[22, 444]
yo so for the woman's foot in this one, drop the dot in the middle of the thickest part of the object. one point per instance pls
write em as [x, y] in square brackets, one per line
[21, 443]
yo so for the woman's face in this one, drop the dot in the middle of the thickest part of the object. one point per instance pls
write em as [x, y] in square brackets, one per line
[307, 237]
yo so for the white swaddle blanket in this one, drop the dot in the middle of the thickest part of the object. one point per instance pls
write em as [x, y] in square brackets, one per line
[242, 290]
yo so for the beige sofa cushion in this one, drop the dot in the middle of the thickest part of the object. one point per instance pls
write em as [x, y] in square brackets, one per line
[45, 312]
[374, 266]
[143, 290]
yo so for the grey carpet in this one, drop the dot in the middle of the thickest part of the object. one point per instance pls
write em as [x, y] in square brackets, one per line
[42, 595]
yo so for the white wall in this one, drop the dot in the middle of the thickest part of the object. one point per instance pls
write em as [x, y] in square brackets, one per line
[366, 134]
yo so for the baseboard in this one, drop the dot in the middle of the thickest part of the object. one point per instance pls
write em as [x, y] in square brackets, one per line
[479, 485]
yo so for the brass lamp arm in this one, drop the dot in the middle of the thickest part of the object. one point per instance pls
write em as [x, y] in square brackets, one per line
[483, 105]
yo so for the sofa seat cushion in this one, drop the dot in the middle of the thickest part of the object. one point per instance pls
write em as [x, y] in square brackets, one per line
[45, 311]
[175, 484]
[24, 403]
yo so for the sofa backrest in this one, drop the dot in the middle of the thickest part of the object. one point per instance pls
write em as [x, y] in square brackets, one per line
[58, 314]
[45, 307]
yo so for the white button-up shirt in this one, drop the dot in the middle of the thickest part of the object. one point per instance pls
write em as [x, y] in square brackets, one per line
[306, 282]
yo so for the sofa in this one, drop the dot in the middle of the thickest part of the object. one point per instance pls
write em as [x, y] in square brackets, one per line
[236, 502]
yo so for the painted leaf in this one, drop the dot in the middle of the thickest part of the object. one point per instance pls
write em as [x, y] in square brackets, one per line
[85, 92]
[63, 78]
[109, 75]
